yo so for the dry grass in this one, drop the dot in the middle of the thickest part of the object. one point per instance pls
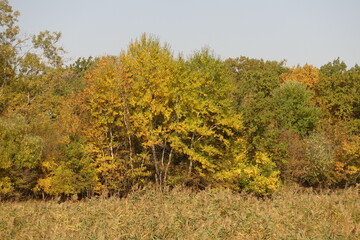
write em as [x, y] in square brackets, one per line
[182, 214]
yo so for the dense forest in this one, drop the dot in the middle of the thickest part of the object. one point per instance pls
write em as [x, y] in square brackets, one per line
[107, 125]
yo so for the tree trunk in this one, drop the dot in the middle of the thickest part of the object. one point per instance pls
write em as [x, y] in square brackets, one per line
[129, 140]
[190, 160]
[156, 164]
[168, 165]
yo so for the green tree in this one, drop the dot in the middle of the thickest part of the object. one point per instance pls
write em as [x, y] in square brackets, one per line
[320, 161]
[292, 108]
[255, 81]
[338, 90]
[21, 155]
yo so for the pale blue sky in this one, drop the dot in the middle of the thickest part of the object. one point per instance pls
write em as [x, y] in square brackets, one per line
[301, 31]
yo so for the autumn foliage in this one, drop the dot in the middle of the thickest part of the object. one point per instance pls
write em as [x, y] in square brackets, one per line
[107, 125]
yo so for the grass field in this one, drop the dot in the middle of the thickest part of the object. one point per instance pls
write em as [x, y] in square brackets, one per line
[183, 214]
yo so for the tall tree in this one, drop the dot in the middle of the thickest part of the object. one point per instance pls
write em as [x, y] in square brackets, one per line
[255, 81]
[338, 90]
[151, 71]
[8, 48]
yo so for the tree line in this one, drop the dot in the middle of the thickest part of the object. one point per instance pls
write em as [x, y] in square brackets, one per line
[106, 125]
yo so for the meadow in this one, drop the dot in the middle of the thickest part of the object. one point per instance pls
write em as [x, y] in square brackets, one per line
[291, 213]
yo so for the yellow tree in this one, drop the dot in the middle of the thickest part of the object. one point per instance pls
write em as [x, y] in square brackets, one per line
[67, 168]
[8, 43]
[151, 72]
[108, 132]
[209, 130]
[207, 126]
[182, 114]
[308, 75]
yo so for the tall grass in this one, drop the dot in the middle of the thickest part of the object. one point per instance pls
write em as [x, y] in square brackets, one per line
[184, 214]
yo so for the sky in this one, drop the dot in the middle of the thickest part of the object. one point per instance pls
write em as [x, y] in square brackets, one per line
[300, 31]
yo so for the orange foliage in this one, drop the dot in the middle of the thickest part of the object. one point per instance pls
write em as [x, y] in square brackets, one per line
[308, 75]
